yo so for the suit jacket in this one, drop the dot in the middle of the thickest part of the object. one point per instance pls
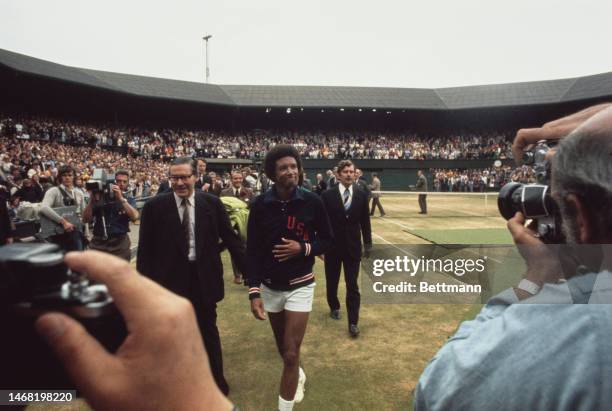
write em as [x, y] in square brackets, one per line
[161, 245]
[164, 187]
[421, 184]
[348, 227]
[201, 181]
[363, 185]
[246, 194]
[320, 187]
[375, 186]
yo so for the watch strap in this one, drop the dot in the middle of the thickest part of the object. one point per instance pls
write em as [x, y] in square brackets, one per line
[528, 286]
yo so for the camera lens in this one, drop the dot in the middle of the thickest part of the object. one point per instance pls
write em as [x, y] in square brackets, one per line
[509, 200]
[528, 157]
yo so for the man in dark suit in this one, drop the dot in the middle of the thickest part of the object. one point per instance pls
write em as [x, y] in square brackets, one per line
[164, 187]
[362, 183]
[347, 208]
[179, 248]
[321, 185]
[237, 189]
[203, 181]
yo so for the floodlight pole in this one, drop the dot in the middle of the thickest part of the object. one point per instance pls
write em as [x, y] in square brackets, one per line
[206, 38]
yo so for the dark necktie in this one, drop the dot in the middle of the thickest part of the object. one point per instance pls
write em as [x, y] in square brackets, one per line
[186, 222]
[237, 193]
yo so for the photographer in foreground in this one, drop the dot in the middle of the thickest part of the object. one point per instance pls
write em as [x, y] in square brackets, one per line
[530, 347]
[112, 218]
[161, 365]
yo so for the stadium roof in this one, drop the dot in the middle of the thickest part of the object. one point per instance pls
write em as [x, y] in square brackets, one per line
[452, 98]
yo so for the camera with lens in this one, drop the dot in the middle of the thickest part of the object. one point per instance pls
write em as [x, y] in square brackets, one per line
[534, 200]
[33, 281]
[100, 184]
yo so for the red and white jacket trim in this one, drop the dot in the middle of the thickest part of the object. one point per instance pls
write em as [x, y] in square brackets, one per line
[302, 279]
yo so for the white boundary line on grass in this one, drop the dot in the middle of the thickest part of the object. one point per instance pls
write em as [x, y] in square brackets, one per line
[388, 219]
[393, 245]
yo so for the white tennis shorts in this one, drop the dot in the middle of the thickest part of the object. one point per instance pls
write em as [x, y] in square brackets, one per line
[299, 300]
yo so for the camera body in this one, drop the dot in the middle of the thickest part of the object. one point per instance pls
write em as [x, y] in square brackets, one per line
[101, 182]
[33, 281]
[534, 201]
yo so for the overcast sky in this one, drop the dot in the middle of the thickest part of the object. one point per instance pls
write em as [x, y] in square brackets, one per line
[403, 43]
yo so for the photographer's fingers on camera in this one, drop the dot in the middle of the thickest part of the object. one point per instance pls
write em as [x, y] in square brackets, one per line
[138, 298]
[87, 362]
[521, 234]
[528, 137]
[131, 291]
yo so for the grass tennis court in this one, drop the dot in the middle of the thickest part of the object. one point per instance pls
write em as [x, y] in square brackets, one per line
[379, 370]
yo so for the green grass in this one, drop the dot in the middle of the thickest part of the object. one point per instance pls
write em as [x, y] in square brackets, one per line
[377, 371]
[464, 236]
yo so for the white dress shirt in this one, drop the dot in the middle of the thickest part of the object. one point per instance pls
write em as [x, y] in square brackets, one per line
[180, 209]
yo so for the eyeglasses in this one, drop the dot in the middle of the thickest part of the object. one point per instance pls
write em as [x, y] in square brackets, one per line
[175, 179]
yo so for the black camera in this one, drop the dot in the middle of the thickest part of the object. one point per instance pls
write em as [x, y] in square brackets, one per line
[534, 200]
[34, 280]
[101, 182]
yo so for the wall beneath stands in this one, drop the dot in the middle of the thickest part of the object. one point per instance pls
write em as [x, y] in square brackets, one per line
[397, 175]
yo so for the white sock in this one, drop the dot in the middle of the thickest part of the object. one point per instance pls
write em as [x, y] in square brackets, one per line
[284, 405]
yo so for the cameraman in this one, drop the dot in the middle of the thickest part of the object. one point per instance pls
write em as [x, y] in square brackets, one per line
[530, 347]
[112, 218]
[64, 195]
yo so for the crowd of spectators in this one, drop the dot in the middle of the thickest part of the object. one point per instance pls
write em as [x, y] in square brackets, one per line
[479, 180]
[163, 143]
[32, 150]
[26, 163]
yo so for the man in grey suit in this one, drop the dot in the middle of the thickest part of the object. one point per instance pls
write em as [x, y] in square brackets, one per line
[375, 187]
[421, 186]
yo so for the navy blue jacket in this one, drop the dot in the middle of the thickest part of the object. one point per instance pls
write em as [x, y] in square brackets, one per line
[303, 219]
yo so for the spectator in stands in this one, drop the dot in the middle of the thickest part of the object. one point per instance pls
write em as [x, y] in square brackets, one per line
[29, 192]
[203, 182]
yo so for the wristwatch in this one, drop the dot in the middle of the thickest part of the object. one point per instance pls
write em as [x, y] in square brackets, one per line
[528, 286]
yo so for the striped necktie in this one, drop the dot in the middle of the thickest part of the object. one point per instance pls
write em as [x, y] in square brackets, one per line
[346, 199]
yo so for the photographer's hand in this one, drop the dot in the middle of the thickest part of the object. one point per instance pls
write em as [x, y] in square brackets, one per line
[553, 130]
[542, 263]
[162, 363]
[117, 191]
[67, 225]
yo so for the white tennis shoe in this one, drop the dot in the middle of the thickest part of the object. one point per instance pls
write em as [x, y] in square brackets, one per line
[299, 392]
